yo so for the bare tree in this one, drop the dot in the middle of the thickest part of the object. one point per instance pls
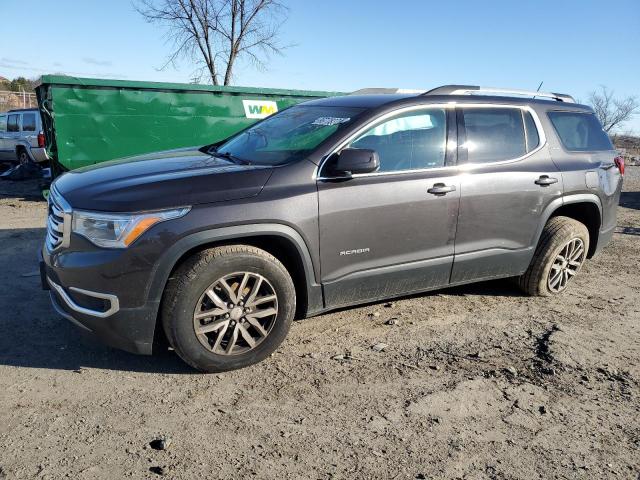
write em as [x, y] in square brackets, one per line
[612, 112]
[216, 33]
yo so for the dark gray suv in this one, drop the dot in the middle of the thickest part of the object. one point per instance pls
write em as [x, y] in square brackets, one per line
[329, 203]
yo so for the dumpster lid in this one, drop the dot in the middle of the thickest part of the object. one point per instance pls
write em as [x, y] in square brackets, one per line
[64, 80]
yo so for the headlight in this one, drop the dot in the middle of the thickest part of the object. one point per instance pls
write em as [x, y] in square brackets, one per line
[119, 230]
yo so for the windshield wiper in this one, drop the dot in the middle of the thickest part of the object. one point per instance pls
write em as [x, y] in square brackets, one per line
[230, 157]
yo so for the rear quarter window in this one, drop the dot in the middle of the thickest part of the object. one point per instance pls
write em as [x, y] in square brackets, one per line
[580, 132]
[28, 122]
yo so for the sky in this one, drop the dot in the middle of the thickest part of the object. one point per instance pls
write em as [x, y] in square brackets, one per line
[571, 46]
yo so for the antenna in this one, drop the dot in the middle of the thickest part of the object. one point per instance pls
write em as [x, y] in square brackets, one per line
[538, 89]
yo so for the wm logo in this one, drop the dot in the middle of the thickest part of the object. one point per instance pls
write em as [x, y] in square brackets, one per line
[259, 108]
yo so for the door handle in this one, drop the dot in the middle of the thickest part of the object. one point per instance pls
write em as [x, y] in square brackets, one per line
[546, 180]
[440, 189]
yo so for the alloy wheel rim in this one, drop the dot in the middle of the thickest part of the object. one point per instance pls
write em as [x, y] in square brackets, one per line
[235, 313]
[566, 265]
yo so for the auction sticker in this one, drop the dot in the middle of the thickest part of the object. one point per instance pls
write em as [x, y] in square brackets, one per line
[328, 121]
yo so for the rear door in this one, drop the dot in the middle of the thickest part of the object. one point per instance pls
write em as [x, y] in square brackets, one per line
[12, 135]
[28, 128]
[391, 232]
[508, 182]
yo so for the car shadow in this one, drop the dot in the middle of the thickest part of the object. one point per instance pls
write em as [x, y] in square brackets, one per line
[630, 200]
[32, 335]
[627, 230]
[25, 189]
[503, 287]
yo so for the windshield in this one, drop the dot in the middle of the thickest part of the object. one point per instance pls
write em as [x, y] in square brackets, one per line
[289, 135]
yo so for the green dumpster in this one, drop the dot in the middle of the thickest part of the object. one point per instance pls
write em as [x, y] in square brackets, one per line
[88, 120]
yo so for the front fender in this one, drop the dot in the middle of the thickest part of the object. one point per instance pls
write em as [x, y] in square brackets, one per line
[168, 261]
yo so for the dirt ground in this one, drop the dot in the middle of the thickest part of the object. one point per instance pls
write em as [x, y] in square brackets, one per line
[477, 382]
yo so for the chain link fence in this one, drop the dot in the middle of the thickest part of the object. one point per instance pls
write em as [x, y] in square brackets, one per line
[10, 100]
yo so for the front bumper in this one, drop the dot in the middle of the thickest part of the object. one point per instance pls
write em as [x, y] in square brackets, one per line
[116, 312]
[110, 303]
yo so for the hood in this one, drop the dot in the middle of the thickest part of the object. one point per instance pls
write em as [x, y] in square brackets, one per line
[160, 180]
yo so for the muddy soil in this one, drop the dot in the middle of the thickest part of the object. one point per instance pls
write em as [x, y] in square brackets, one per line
[476, 382]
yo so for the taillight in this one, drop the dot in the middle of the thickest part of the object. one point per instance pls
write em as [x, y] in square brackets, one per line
[620, 164]
[41, 140]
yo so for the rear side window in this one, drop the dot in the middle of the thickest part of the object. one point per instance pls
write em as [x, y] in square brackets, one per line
[28, 122]
[580, 132]
[3, 123]
[12, 123]
[494, 134]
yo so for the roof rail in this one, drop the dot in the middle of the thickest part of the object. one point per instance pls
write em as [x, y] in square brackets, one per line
[384, 91]
[470, 89]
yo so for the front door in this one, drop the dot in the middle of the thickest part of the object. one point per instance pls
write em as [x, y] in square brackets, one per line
[391, 232]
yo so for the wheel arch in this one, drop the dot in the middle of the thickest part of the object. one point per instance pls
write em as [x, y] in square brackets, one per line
[585, 208]
[27, 148]
[280, 240]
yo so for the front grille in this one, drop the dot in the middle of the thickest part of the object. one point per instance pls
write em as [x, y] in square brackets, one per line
[58, 221]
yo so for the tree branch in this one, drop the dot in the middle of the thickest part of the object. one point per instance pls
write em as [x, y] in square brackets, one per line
[612, 112]
[216, 33]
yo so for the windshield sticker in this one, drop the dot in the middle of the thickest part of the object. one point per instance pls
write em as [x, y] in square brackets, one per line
[328, 121]
[259, 108]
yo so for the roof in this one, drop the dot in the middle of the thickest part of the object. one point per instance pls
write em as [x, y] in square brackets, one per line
[379, 100]
[362, 101]
[63, 80]
[13, 110]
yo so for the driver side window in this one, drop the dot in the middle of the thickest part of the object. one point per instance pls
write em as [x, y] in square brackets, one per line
[409, 141]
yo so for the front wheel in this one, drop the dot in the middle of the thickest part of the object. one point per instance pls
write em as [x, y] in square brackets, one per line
[560, 254]
[228, 307]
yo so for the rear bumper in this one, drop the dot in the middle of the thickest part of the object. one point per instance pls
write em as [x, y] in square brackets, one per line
[604, 238]
[39, 154]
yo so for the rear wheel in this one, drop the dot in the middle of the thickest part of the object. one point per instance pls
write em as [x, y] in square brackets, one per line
[23, 156]
[559, 257]
[228, 307]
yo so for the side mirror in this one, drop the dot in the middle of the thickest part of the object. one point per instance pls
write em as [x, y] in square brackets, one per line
[356, 160]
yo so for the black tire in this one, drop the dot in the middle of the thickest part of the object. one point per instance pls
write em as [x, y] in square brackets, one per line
[557, 233]
[185, 290]
[22, 156]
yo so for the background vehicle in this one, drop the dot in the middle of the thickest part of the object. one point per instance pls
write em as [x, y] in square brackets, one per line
[90, 120]
[21, 136]
[335, 202]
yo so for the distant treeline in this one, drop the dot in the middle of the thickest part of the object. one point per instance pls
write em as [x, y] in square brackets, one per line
[18, 84]
[629, 143]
